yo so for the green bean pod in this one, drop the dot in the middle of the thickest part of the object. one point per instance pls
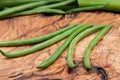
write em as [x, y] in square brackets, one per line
[34, 11]
[39, 46]
[35, 40]
[90, 8]
[92, 44]
[60, 4]
[58, 52]
[79, 37]
[15, 9]
[10, 3]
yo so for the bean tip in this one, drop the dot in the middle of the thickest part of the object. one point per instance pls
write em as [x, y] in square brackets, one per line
[3, 53]
[40, 67]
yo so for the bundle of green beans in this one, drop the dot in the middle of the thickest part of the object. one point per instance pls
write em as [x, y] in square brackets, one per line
[74, 33]
[12, 8]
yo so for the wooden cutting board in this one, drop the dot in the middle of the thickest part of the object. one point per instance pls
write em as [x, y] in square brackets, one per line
[106, 54]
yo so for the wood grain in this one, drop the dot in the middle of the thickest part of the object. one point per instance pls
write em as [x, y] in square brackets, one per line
[106, 54]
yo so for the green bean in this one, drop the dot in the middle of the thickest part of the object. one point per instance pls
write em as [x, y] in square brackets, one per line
[35, 40]
[92, 44]
[58, 52]
[37, 11]
[90, 8]
[79, 37]
[24, 7]
[60, 4]
[9, 3]
[39, 46]
[67, 7]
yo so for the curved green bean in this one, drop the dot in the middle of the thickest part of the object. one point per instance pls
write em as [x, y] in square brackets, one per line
[24, 7]
[35, 40]
[39, 46]
[58, 52]
[92, 44]
[90, 8]
[79, 37]
[34, 11]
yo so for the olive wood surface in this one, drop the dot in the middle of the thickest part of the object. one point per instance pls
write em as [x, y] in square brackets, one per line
[106, 54]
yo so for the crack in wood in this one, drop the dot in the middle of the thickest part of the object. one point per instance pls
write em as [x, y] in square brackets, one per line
[19, 74]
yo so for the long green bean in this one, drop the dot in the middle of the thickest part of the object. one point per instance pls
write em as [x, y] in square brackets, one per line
[24, 7]
[40, 45]
[37, 11]
[58, 52]
[90, 8]
[10, 3]
[92, 44]
[79, 37]
[37, 39]
[60, 4]
[67, 7]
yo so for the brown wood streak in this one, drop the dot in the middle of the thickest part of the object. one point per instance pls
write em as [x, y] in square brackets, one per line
[106, 54]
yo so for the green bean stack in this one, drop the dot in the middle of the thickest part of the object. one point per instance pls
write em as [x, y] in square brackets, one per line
[28, 7]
